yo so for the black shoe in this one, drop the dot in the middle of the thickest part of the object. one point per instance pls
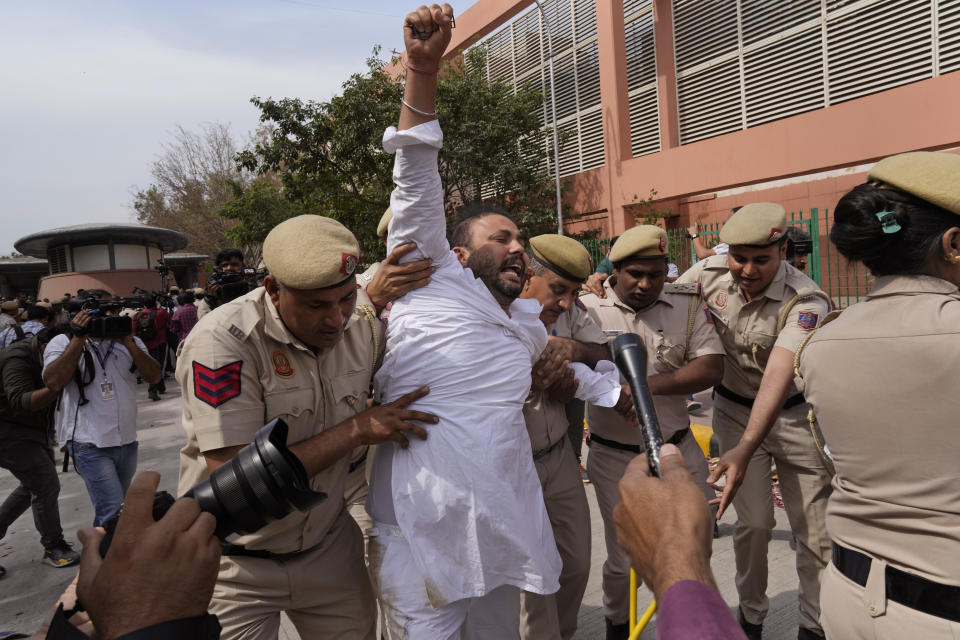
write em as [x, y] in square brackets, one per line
[617, 631]
[154, 395]
[752, 631]
[716, 530]
[61, 555]
[3, 572]
[809, 634]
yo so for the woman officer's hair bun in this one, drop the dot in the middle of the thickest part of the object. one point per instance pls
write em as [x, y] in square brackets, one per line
[902, 243]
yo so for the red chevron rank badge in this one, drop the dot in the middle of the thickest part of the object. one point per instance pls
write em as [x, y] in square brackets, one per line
[216, 386]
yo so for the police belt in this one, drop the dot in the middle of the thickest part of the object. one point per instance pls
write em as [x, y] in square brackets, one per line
[675, 439]
[910, 590]
[723, 392]
[235, 550]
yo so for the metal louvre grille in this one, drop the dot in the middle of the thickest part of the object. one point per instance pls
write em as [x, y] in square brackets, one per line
[57, 258]
[949, 23]
[877, 47]
[591, 136]
[703, 30]
[644, 123]
[763, 18]
[517, 54]
[642, 77]
[709, 102]
[783, 79]
[741, 63]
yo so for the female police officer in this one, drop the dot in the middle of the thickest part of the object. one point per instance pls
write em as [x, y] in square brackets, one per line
[881, 379]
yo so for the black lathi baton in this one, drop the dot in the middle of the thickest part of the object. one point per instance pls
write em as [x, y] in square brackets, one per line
[631, 358]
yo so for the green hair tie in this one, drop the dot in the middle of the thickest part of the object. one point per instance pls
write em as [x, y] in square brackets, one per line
[888, 220]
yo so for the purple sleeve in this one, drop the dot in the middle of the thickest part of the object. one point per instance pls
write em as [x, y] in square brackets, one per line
[692, 610]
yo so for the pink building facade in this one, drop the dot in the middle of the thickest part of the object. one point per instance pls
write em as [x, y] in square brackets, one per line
[714, 104]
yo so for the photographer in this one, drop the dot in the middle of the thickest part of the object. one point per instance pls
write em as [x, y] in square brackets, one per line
[154, 583]
[97, 422]
[150, 325]
[228, 270]
[25, 408]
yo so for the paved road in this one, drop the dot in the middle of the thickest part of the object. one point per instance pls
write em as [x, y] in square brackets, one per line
[31, 587]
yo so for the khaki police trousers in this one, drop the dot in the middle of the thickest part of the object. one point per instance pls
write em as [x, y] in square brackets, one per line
[355, 495]
[605, 467]
[805, 487]
[325, 591]
[555, 616]
[851, 611]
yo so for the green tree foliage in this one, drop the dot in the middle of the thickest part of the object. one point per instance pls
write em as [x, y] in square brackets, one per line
[327, 156]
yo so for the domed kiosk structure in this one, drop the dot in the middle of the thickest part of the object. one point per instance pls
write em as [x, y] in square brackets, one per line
[115, 257]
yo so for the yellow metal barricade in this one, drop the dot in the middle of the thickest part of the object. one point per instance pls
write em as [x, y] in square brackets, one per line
[637, 626]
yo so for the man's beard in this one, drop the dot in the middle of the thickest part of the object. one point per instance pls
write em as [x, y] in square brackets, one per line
[487, 269]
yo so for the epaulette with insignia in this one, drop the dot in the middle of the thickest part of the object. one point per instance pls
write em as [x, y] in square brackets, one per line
[688, 288]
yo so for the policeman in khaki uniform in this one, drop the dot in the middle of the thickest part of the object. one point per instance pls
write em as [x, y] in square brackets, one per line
[299, 349]
[560, 265]
[882, 380]
[684, 355]
[763, 308]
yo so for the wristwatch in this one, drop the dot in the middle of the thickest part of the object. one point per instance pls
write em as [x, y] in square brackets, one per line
[692, 235]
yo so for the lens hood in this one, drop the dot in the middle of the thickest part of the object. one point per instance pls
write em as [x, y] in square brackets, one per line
[262, 483]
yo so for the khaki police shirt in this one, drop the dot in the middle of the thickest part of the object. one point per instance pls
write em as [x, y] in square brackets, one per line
[547, 418]
[748, 330]
[240, 368]
[662, 327]
[882, 380]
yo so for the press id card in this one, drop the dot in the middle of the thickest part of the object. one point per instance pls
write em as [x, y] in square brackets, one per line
[106, 390]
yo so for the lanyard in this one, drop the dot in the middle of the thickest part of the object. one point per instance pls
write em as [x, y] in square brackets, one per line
[106, 356]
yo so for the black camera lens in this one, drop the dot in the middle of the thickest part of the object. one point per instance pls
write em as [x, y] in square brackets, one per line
[262, 483]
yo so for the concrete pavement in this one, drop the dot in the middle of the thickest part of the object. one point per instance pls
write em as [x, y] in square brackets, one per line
[30, 588]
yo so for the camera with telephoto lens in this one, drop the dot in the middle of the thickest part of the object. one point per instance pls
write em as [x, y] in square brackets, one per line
[234, 284]
[102, 325]
[262, 483]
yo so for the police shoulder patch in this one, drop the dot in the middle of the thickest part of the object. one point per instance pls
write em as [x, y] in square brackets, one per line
[807, 320]
[216, 386]
[580, 305]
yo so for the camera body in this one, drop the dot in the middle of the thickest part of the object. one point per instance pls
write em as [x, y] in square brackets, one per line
[102, 325]
[234, 284]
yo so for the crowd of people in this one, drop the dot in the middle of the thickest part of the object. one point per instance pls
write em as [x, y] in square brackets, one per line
[430, 399]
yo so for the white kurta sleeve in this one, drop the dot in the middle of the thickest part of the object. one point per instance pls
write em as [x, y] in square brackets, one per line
[417, 200]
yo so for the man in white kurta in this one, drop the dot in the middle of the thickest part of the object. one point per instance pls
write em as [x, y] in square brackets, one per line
[465, 505]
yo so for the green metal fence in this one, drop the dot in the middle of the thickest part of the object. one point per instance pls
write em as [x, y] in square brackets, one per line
[845, 282]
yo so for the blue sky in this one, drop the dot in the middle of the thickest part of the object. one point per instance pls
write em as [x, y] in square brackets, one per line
[92, 90]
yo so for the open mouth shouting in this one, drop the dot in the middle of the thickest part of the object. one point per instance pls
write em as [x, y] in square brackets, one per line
[512, 271]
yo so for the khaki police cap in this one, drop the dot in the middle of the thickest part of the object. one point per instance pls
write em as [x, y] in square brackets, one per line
[9, 305]
[172, 289]
[310, 252]
[564, 256]
[759, 224]
[384, 223]
[45, 305]
[644, 241]
[929, 175]
[199, 290]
